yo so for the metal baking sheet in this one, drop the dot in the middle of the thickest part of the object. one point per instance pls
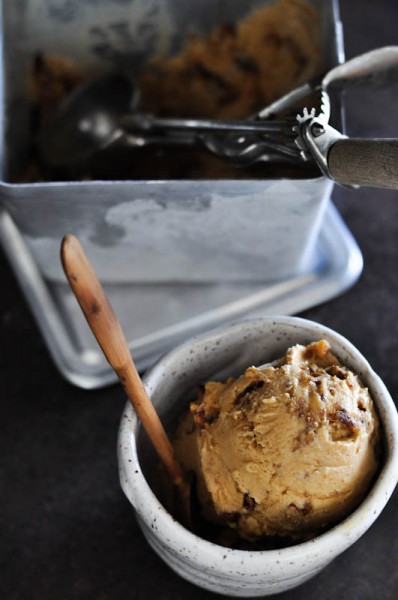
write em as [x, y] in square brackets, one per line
[156, 317]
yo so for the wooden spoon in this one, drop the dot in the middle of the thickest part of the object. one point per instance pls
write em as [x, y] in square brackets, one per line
[110, 337]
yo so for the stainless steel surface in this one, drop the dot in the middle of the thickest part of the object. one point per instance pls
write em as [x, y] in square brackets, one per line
[156, 317]
[162, 232]
[317, 137]
[312, 123]
[149, 122]
[151, 231]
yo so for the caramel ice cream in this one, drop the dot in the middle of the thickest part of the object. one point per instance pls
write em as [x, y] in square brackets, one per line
[283, 450]
[237, 68]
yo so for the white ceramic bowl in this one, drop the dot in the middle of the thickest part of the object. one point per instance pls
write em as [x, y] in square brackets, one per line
[170, 382]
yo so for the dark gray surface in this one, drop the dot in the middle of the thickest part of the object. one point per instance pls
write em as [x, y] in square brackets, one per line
[66, 530]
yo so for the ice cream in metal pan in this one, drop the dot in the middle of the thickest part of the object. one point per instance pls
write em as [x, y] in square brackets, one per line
[166, 229]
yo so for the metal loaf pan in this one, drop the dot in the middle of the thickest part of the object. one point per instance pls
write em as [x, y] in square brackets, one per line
[150, 231]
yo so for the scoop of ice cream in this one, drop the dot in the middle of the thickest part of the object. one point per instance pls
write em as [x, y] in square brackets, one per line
[283, 450]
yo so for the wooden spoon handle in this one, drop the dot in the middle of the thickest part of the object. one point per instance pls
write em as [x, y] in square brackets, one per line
[108, 332]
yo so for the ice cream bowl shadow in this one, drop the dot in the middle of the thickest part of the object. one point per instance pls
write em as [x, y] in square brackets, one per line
[171, 383]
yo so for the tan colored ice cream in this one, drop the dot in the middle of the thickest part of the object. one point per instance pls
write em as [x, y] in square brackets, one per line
[284, 450]
[237, 68]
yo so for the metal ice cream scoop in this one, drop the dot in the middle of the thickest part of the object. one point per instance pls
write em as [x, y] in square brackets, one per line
[103, 112]
[355, 162]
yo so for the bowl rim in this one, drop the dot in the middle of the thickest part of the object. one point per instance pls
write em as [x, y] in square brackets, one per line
[343, 534]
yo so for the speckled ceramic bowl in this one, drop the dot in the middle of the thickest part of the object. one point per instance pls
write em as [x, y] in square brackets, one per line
[170, 383]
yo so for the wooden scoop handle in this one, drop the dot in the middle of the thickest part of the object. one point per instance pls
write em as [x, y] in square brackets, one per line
[108, 332]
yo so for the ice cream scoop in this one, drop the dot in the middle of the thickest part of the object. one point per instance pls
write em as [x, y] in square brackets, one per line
[103, 112]
[284, 450]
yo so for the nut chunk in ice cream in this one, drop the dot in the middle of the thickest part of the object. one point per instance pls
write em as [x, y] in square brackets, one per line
[283, 450]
